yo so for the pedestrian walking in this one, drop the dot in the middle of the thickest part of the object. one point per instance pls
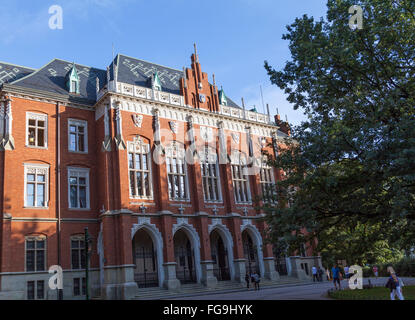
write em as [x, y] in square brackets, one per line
[314, 272]
[375, 271]
[346, 272]
[320, 273]
[336, 276]
[395, 284]
[257, 279]
[328, 273]
[247, 280]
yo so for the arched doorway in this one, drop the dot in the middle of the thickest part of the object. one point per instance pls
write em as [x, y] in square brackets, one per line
[220, 259]
[250, 253]
[145, 260]
[185, 258]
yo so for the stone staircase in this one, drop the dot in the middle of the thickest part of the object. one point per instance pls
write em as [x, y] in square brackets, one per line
[196, 289]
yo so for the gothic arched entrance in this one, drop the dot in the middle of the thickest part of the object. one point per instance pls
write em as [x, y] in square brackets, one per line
[250, 253]
[184, 255]
[145, 260]
[220, 257]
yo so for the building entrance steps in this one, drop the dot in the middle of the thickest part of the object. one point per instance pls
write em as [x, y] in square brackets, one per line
[187, 290]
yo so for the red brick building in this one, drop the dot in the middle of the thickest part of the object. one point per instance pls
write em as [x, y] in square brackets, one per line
[155, 161]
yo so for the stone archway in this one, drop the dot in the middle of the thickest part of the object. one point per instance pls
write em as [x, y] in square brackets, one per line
[187, 252]
[252, 243]
[219, 233]
[146, 235]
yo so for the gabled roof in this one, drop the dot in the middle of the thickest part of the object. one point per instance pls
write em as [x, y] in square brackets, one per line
[52, 78]
[10, 72]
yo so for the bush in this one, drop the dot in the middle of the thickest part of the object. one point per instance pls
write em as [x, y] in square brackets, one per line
[404, 268]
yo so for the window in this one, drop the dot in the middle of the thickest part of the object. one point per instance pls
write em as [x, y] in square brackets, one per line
[267, 183]
[36, 185]
[78, 252]
[78, 188]
[35, 290]
[176, 172]
[240, 178]
[210, 176]
[35, 253]
[78, 137]
[78, 285]
[36, 132]
[139, 168]
[74, 88]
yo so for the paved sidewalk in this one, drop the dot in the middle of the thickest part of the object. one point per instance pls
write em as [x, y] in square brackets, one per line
[310, 291]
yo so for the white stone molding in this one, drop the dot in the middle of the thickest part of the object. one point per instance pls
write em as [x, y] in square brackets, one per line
[8, 143]
[1, 120]
[176, 112]
[257, 238]
[183, 224]
[119, 140]
[138, 120]
[157, 238]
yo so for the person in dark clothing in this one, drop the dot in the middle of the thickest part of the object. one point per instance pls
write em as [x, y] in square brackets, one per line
[320, 273]
[247, 280]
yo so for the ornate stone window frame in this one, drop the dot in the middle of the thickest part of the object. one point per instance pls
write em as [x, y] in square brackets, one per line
[37, 116]
[31, 168]
[138, 146]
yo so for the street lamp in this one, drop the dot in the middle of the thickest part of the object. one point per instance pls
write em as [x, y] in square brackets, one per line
[88, 250]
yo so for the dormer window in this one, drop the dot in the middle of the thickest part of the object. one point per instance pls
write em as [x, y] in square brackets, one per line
[72, 80]
[73, 86]
[222, 98]
[156, 82]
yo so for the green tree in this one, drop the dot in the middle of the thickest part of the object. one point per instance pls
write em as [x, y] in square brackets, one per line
[352, 163]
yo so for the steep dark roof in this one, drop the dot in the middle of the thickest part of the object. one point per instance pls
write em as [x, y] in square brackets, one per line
[10, 72]
[52, 78]
[138, 72]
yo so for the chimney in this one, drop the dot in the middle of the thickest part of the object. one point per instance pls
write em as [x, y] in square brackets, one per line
[284, 126]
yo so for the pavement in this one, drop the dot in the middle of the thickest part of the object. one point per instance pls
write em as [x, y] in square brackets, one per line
[310, 291]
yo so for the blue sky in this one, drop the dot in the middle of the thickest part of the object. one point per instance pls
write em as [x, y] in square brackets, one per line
[234, 37]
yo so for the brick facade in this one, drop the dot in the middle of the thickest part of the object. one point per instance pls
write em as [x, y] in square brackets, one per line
[179, 241]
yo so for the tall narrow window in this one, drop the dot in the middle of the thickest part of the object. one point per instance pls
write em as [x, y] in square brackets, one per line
[36, 185]
[35, 253]
[36, 132]
[78, 185]
[35, 290]
[78, 252]
[210, 176]
[267, 183]
[78, 135]
[176, 172]
[139, 169]
[240, 178]
[78, 284]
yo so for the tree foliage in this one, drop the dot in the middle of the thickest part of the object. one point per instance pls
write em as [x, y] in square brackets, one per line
[352, 163]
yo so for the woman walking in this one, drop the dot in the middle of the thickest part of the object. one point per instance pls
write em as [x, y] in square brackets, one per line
[395, 285]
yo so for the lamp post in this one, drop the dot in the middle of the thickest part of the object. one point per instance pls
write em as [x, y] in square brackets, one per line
[87, 255]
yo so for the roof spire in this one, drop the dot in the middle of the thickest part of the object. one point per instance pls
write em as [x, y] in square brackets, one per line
[214, 81]
[196, 55]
